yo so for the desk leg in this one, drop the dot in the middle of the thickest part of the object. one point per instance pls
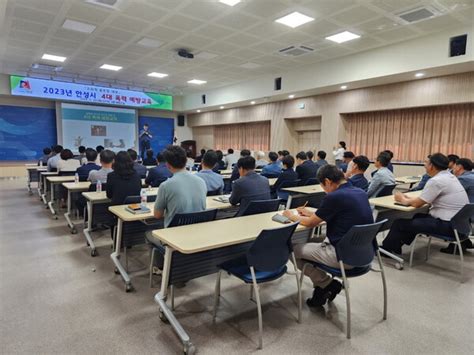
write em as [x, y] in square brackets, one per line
[51, 202]
[67, 215]
[288, 202]
[399, 261]
[165, 311]
[88, 230]
[115, 256]
[28, 182]
[45, 190]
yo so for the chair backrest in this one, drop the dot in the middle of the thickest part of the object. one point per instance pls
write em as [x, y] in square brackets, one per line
[93, 187]
[67, 173]
[358, 246]
[284, 194]
[386, 191]
[462, 220]
[137, 199]
[272, 248]
[314, 200]
[312, 181]
[260, 206]
[158, 182]
[215, 192]
[270, 175]
[182, 219]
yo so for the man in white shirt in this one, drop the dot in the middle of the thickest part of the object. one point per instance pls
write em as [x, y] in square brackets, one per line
[446, 196]
[230, 159]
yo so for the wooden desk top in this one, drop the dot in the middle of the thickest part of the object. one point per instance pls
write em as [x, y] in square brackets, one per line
[408, 179]
[272, 181]
[389, 202]
[309, 189]
[60, 179]
[36, 167]
[80, 186]
[127, 216]
[207, 236]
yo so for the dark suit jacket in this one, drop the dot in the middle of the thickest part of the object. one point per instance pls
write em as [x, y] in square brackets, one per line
[286, 175]
[140, 169]
[250, 187]
[157, 175]
[83, 171]
[307, 170]
[118, 187]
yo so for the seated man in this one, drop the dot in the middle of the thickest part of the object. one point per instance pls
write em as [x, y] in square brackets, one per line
[220, 161]
[452, 158]
[383, 177]
[250, 186]
[183, 193]
[55, 158]
[158, 174]
[235, 170]
[261, 162]
[46, 155]
[321, 159]
[463, 171]
[84, 170]
[106, 160]
[359, 165]
[306, 169]
[82, 155]
[422, 183]
[287, 174]
[230, 159]
[199, 157]
[139, 168]
[343, 207]
[149, 160]
[274, 168]
[446, 196]
[310, 155]
[214, 181]
[347, 164]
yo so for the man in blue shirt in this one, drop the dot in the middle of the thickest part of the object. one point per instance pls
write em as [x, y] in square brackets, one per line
[274, 168]
[144, 139]
[159, 173]
[383, 176]
[420, 186]
[359, 165]
[214, 181]
[343, 207]
[84, 170]
[139, 168]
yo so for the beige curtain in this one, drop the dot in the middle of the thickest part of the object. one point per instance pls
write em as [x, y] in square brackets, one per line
[253, 136]
[412, 134]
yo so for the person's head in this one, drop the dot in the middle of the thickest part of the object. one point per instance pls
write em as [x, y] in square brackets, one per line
[209, 160]
[245, 153]
[301, 157]
[220, 155]
[273, 157]
[133, 154]
[260, 155]
[390, 153]
[310, 154]
[99, 148]
[81, 149]
[348, 156]
[123, 164]
[330, 177]
[462, 165]
[203, 151]
[66, 154]
[382, 160]
[246, 164]
[91, 155]
[435, 163]
[145, 127]
[452, 158]
[288, 162]
[230, 151]
[321, 155]
[57, 149]
[280, 154]
[107, 158]
[160, 159]
[361, 164]
[150, 153]
[342, 144]
[46, 151]
[285, 152]
[175, 158]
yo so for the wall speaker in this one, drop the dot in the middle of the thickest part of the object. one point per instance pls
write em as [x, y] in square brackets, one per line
[203, 99]
[278, 83]
[457, 45]
[181, 120]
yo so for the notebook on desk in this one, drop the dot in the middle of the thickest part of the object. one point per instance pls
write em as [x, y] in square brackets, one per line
[137, 209]
[223, 199]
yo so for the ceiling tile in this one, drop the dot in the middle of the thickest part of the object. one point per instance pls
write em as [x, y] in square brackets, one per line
[213, 31]
[267, 30]
[221, 47]
[238, 21]
[50, 5]
[106, 42]
[292, 38]
[321, 28]
[87, 13]
[164, 33]
[194, 41]
[129, 24]
[181, 23]
[269, 59]
[354, 15]
[396, 6]
[335, 51]
[27, 36]
[116, 34]
[204, 10]
[246, 54]
[22, 25]
[377, 25]
[33, 15]
[398, 34]
[267, 46]
[144, 11]
[328, 7]
[70, 35]
[241, 39]
[269, 9]
[438, 23]
[363, 43]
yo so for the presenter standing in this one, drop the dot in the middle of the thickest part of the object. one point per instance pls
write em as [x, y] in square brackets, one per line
[145, 138]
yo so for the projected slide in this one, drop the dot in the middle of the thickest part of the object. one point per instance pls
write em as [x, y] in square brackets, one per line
[90, 126]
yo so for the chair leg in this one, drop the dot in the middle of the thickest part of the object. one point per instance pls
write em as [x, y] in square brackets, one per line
[251, 293]
[461, 255]
[428, 249]
[384, 283]
[348, 302]
[217, 293]
[152, 262]
[259, 309]
[298, 285]
[412, 250]
[172, 297]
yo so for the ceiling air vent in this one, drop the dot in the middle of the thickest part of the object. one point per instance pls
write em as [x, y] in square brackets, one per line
[295, 51]
[419, 14]
[109, 4]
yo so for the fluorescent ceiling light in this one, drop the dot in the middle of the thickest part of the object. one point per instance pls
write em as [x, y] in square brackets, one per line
[252, 102]
[222, 107]
[250, 65]
[197, 82]
[230, 2]
[343, 37]
[344, 87]
[198, 111]
[149, 42]
[291, 96]
[294, 19]
[78, 26]
[55, 58]
[110, 67]
[419, 75]
[157, 75]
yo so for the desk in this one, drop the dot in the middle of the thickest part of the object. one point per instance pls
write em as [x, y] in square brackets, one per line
[303, 190]
[190, 239]
[388, 202]
[33, 171]
[411, 180]
[125, 216]
[56, 180]
[44, 184]
[73, 187]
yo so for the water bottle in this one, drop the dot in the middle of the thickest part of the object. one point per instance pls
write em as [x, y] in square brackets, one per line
[41, 163]
[99, 186]
[143, 198]
[76, 178]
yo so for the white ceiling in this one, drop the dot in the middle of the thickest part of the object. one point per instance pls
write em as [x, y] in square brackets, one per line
[237, 35]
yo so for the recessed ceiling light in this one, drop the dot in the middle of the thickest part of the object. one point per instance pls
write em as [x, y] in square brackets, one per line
[157, 75]
[222, 107]
[198, 111]
[149, 42]
[291, 96]
[110, 67]
[252, 102]
[419, 75]
[294, 19]
[250, 65]
[343, 37]
[344, 87]
[197, 82]
[230, 2]
[55, 58]
[78, 26]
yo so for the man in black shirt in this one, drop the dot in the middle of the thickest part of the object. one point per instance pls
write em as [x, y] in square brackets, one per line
[305, 169]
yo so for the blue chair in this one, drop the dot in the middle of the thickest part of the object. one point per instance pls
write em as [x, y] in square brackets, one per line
[386, 191]
[265, 261]
[462, 229]
[357, 249]
[259, 206]
[283, 195]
